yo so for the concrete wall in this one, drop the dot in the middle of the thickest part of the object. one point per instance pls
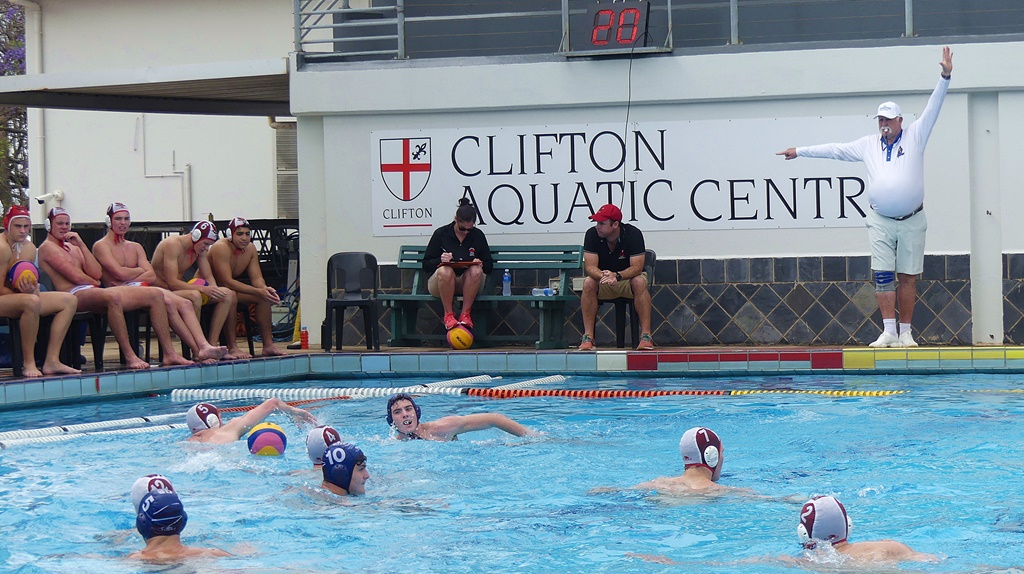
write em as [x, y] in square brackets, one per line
[971, 154]
[150, 161]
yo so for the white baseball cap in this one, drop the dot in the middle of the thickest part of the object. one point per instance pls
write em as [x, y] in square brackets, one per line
[889, 110]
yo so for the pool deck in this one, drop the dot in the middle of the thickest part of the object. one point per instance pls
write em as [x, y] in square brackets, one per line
[356, 363]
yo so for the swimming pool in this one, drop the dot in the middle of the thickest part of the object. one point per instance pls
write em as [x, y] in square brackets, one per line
[936, 467]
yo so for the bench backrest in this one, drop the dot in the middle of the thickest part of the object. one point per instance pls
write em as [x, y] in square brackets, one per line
[564, 259]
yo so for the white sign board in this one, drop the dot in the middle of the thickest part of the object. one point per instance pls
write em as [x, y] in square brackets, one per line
[673, 175]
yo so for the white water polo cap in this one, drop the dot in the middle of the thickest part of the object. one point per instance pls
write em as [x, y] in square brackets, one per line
[149, 483]
[317, 441]
[823, 518]
[202, 416]
[702, 447]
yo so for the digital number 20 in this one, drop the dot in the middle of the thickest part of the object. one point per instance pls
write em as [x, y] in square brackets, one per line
[625, 28]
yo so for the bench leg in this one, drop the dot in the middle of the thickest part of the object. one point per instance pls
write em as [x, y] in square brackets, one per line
[403, 325]
[552, 323]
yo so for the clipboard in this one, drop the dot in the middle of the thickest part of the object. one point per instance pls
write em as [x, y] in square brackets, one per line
[459, 264]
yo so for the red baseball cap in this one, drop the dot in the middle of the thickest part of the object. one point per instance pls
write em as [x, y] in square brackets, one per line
[607, 212]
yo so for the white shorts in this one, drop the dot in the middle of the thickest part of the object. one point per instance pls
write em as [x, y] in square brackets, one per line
[897, 245]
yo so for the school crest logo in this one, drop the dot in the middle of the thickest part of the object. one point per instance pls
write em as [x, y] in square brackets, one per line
[405, 166]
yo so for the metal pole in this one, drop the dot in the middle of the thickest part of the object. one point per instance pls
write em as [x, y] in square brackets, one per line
[564, 47]
[400, 17]
[909, 10]
[297, 8]
[670, 41]
[734, 22]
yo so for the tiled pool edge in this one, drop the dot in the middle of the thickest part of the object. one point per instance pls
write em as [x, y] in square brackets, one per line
[676, 362]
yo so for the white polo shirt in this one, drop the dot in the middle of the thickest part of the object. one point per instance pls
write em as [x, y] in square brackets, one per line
[895, 173]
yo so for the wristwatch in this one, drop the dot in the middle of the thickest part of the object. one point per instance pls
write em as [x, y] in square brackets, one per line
[618, 276]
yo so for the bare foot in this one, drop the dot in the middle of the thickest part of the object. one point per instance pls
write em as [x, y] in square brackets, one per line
[175, 360]
[208, 361]
[211, 352]
[59, 368]
[31, 372]
[137, 363]
[236, 354]
[272, 351]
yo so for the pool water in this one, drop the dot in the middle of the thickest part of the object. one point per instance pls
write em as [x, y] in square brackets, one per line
[937, 468]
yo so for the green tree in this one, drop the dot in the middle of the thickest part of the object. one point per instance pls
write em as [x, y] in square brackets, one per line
[13, 121]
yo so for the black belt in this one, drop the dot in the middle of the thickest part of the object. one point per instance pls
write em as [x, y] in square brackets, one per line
[907, 216]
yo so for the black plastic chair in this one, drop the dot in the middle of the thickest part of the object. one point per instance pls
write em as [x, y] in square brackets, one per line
[206, 317]
[622, 304]
[349, 274]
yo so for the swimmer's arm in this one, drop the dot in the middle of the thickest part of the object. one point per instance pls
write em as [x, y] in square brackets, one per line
[255, 274]
[220, 263]
[205, 271]
[244, 423]
[148, 273]
[169, 271]
[62, 267]
[483, 421]
[103, 253]
[6, 258]
[89, 263]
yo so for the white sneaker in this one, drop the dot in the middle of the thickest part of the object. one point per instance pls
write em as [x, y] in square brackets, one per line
[886, 339]
[907, 340]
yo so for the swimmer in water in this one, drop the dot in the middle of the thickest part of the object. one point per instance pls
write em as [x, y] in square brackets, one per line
[344, 468]
[161, 518]
[823, 520]
[703, 457]
[149, 483]
[206, 425]
[403, 414]
[317, 441]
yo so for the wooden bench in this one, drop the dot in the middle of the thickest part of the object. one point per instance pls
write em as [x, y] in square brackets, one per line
[556, 261]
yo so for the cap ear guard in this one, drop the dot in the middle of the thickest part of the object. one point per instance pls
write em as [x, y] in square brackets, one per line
[46, 224]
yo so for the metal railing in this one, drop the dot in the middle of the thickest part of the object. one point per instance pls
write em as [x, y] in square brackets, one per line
[335, 30]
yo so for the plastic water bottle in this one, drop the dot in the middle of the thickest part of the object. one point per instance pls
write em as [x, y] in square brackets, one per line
[546, 291]
[506, 283]
[304, 338]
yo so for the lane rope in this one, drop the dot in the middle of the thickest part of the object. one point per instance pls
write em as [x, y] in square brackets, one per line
[533, 382]
[500, 393]
[57, 438]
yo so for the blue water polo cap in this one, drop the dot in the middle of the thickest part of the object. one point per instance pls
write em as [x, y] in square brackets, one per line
[160, 514]
[339, 461]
